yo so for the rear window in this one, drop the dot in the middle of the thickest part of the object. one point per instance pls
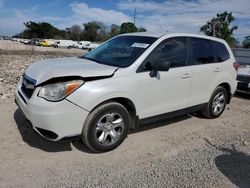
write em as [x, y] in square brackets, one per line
[221, 52]
[202, 51]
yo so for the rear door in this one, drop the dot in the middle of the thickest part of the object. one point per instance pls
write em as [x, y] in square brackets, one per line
[206, 70]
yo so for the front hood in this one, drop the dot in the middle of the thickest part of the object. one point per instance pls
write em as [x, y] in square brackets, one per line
[62, 67]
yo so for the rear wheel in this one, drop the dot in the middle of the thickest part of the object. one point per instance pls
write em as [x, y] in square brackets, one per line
[216, 104]
[106, 127]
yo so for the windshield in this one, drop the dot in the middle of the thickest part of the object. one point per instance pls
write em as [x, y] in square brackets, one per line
[121, 51]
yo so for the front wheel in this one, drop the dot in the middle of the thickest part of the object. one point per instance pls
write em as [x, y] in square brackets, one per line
[216, 104]
[106, 127]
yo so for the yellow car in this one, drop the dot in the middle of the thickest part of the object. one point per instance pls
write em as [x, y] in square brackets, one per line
[46, 43]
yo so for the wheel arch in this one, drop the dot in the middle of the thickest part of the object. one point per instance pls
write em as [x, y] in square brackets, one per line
[228, 89]
[128, 104]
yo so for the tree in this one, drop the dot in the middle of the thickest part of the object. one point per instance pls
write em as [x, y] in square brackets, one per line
[75, 32]
[128, 27]
[39, 30]
[142, 29]
[93, 31]
[103, 32]
[114, 30]
[246, 42]
[90, 31]
[220, 27]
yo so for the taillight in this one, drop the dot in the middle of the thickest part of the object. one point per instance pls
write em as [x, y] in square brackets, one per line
[236, 66]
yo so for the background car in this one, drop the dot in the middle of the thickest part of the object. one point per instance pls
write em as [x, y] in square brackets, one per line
[91, 46]
[243, 78]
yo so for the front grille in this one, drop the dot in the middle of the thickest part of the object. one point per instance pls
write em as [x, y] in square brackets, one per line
[243, 78]
[28, 86]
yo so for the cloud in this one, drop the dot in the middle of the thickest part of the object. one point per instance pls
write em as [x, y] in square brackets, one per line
[80, 13]
[155, 16]
[183, 6]
[13, 24]
[83, 13]
[185, 16]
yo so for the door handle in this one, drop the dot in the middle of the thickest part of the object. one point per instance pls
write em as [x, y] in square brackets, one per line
[186, 75]
[217, 69]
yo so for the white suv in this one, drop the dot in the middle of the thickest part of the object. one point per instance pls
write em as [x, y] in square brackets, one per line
[131, 77]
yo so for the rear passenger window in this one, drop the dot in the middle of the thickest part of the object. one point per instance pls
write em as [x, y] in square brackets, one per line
[221, 52]
[202, 51]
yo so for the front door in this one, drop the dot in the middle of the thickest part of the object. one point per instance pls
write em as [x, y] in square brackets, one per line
[169, 90]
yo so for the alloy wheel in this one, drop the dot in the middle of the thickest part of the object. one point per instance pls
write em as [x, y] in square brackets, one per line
[109, 128]
[218, 103]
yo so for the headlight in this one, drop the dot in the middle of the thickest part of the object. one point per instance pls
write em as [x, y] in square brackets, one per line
[58, 91]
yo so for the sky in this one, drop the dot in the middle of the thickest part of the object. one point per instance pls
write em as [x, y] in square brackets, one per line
[155, 15]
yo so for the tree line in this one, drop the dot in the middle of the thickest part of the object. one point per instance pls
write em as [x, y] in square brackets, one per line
[220, 26]
[91, 31]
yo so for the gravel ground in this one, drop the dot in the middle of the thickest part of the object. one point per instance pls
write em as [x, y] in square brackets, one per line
[187, 151]
[15, 57]
[197, 168]
[17, 46]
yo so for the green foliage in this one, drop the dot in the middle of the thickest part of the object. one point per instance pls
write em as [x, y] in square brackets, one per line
[128, 27]
[220, 27]
[74, 32]
[40, 30]
[91, 31]
[114, 30]
[142, 29]
[246, 42]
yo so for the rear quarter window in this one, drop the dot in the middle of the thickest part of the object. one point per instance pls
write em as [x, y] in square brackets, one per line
[221, 52]
[202, 51]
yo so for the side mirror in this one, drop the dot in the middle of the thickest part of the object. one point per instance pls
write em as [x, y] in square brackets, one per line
[159, 66]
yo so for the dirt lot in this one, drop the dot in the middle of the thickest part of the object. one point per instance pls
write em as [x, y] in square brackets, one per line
[15, 57]
[14, 46]
[188, 151]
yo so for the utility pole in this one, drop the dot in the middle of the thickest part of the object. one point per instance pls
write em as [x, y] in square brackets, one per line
[214, 24]
[214, 29]
[134, 16]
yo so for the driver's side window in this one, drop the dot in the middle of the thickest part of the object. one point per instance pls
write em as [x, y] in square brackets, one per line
[173, 50]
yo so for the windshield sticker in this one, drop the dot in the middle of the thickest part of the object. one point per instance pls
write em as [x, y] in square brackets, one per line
[140, 45]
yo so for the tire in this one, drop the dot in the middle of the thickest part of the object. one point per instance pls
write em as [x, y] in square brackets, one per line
[106, 127]
[216, 104]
